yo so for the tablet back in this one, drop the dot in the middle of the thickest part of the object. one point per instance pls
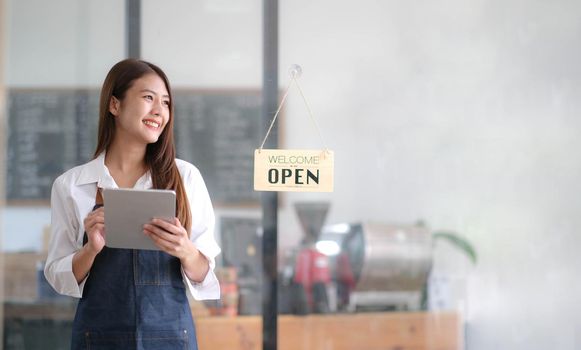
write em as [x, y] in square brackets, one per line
[127, 210]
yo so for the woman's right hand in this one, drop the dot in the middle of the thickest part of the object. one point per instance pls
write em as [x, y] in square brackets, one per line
[95, 229]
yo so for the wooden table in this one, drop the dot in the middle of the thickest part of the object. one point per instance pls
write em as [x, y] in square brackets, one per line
[363, 331]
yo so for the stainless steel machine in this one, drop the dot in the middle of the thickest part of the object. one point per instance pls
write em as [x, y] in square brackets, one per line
[372, 266]
[389, 265]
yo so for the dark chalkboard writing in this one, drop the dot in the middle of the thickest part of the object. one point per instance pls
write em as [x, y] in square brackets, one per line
[218, 132]
[51, 131]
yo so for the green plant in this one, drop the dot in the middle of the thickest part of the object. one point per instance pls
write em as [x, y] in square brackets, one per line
[455, 240]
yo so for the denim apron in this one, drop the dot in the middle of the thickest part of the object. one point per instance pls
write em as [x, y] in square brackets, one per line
[133, 299]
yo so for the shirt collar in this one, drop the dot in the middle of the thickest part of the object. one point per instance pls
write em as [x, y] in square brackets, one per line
[95, 171]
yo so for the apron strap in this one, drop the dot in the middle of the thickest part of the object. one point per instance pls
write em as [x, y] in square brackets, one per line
[99, 197]
[98, 203]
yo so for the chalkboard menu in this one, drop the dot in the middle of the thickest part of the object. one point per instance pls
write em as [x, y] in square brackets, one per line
[218, 132]
[48, 132]
[51, 131]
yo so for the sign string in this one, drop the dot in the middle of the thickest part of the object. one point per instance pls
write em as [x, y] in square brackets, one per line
[295, 70]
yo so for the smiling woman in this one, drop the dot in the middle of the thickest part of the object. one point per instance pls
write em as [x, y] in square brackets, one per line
[133, 298]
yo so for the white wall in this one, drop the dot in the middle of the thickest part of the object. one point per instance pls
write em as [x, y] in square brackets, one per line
[22, 228]
[63, 43]
[461, 113]
[205, 43]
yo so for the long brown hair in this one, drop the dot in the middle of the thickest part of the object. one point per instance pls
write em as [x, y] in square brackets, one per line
[159, 156]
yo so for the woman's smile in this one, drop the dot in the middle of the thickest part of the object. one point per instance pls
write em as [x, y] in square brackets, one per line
[151, 124]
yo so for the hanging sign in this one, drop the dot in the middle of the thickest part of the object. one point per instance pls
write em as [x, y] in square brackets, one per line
[293, 170]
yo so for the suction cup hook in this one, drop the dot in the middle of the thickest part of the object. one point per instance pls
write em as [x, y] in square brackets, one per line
[295, 71]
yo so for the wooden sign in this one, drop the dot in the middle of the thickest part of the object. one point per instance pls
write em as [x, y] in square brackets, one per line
[293, 170]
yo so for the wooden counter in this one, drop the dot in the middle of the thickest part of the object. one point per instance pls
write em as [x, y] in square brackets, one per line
[363, 331]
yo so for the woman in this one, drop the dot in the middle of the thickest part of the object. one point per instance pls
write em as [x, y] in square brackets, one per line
[133, 299]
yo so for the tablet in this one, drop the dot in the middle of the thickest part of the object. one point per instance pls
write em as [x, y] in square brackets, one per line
[127, 210]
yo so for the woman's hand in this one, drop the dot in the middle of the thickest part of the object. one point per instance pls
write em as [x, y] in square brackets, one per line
[95, 229]
[172, 238]
[84, 257]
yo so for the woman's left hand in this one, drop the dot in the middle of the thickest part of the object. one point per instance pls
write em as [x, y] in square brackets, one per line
[171, 237]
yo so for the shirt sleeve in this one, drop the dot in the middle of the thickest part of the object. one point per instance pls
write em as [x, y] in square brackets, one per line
[58, 269]
[202, 234]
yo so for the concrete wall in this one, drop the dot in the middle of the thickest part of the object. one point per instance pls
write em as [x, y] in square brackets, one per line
[460, 113]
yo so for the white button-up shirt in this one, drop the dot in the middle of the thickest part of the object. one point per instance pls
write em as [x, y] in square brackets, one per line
[73, 198]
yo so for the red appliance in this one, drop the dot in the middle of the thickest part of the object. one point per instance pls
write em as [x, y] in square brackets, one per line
[311, 269]
[312, 272]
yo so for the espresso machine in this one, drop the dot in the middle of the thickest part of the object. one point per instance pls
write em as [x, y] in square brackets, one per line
[306, 279]
[359, 266]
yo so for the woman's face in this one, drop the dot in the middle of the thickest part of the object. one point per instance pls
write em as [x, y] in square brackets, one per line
[144, 111]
